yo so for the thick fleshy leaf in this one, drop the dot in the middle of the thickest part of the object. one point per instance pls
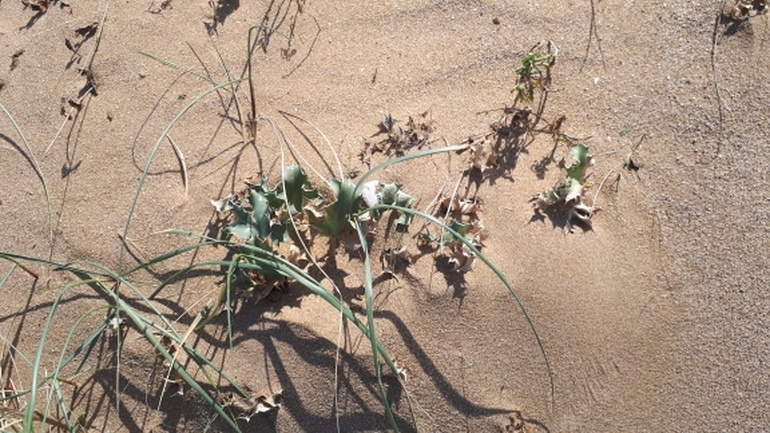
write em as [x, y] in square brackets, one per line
[391, 194]
[577, 170]
[295, 180]
[260, 214]
[460, 227]
[336, 216]
[272, 195]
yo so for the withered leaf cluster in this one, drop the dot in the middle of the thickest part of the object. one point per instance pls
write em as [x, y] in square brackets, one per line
[398, 139]
[254, 404]
[463, 217]
[744, 9]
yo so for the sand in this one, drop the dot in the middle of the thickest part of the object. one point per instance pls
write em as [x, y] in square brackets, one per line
[654, 318]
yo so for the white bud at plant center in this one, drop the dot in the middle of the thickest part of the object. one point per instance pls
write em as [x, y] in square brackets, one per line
[369, 193]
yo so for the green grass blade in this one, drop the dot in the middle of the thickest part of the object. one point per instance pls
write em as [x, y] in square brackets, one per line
[369, 299]
[8, 274]
[35, 166]
[401, 159]
[173, 65]
[261, 260]
[29, 412]
[143, 328]
[54, 378]
[151, 157]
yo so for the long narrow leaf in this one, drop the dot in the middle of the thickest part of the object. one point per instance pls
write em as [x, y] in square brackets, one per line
[29, 413]
[369, 299]
[401, 159]
[173, 65]
[151, 157]
[35, 166]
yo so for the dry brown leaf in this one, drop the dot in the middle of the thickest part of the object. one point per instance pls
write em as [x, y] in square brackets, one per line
[463, 260]
[401, 370]
[460, 206]
[266, 403]
[37, 5]
[515, 424]
[482, 155]
[744, 9]
[254, 404]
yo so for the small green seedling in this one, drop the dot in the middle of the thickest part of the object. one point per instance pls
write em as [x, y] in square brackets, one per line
[535, 71]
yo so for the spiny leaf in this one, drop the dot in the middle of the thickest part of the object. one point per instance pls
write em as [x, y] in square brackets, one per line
[337, 215]
[255, 226]
[392, 194]
[295, 180]
[460, 227]
[260, 214]
[272, 195]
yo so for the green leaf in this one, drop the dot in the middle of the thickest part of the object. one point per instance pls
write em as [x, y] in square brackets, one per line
[391, 194]
[295, 180]
[337, 215]
[577, 170]
[272, 195]
[260, 214]
[254, 226]
[459, 227]
[241, 227]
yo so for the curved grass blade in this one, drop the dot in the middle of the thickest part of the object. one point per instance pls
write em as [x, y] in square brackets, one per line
[151, 157]
[261, 260]
[122, 305]
[29, 412]
[35, 166]
[143, 326]
[173, 65]
[8, 274]
[401, 159]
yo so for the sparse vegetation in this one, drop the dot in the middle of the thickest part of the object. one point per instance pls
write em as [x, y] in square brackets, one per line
[268, 233]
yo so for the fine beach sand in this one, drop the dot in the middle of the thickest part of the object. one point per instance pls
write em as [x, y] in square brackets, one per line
[655, 318]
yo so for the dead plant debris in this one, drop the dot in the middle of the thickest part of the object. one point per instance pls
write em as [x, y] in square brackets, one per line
[482, 154]
[38, 5]
[744, 9]
[399, 139]
[254, 404]
[463, 217]
[15, 59]
[87, 31]
[513, 121]
[165, 4]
